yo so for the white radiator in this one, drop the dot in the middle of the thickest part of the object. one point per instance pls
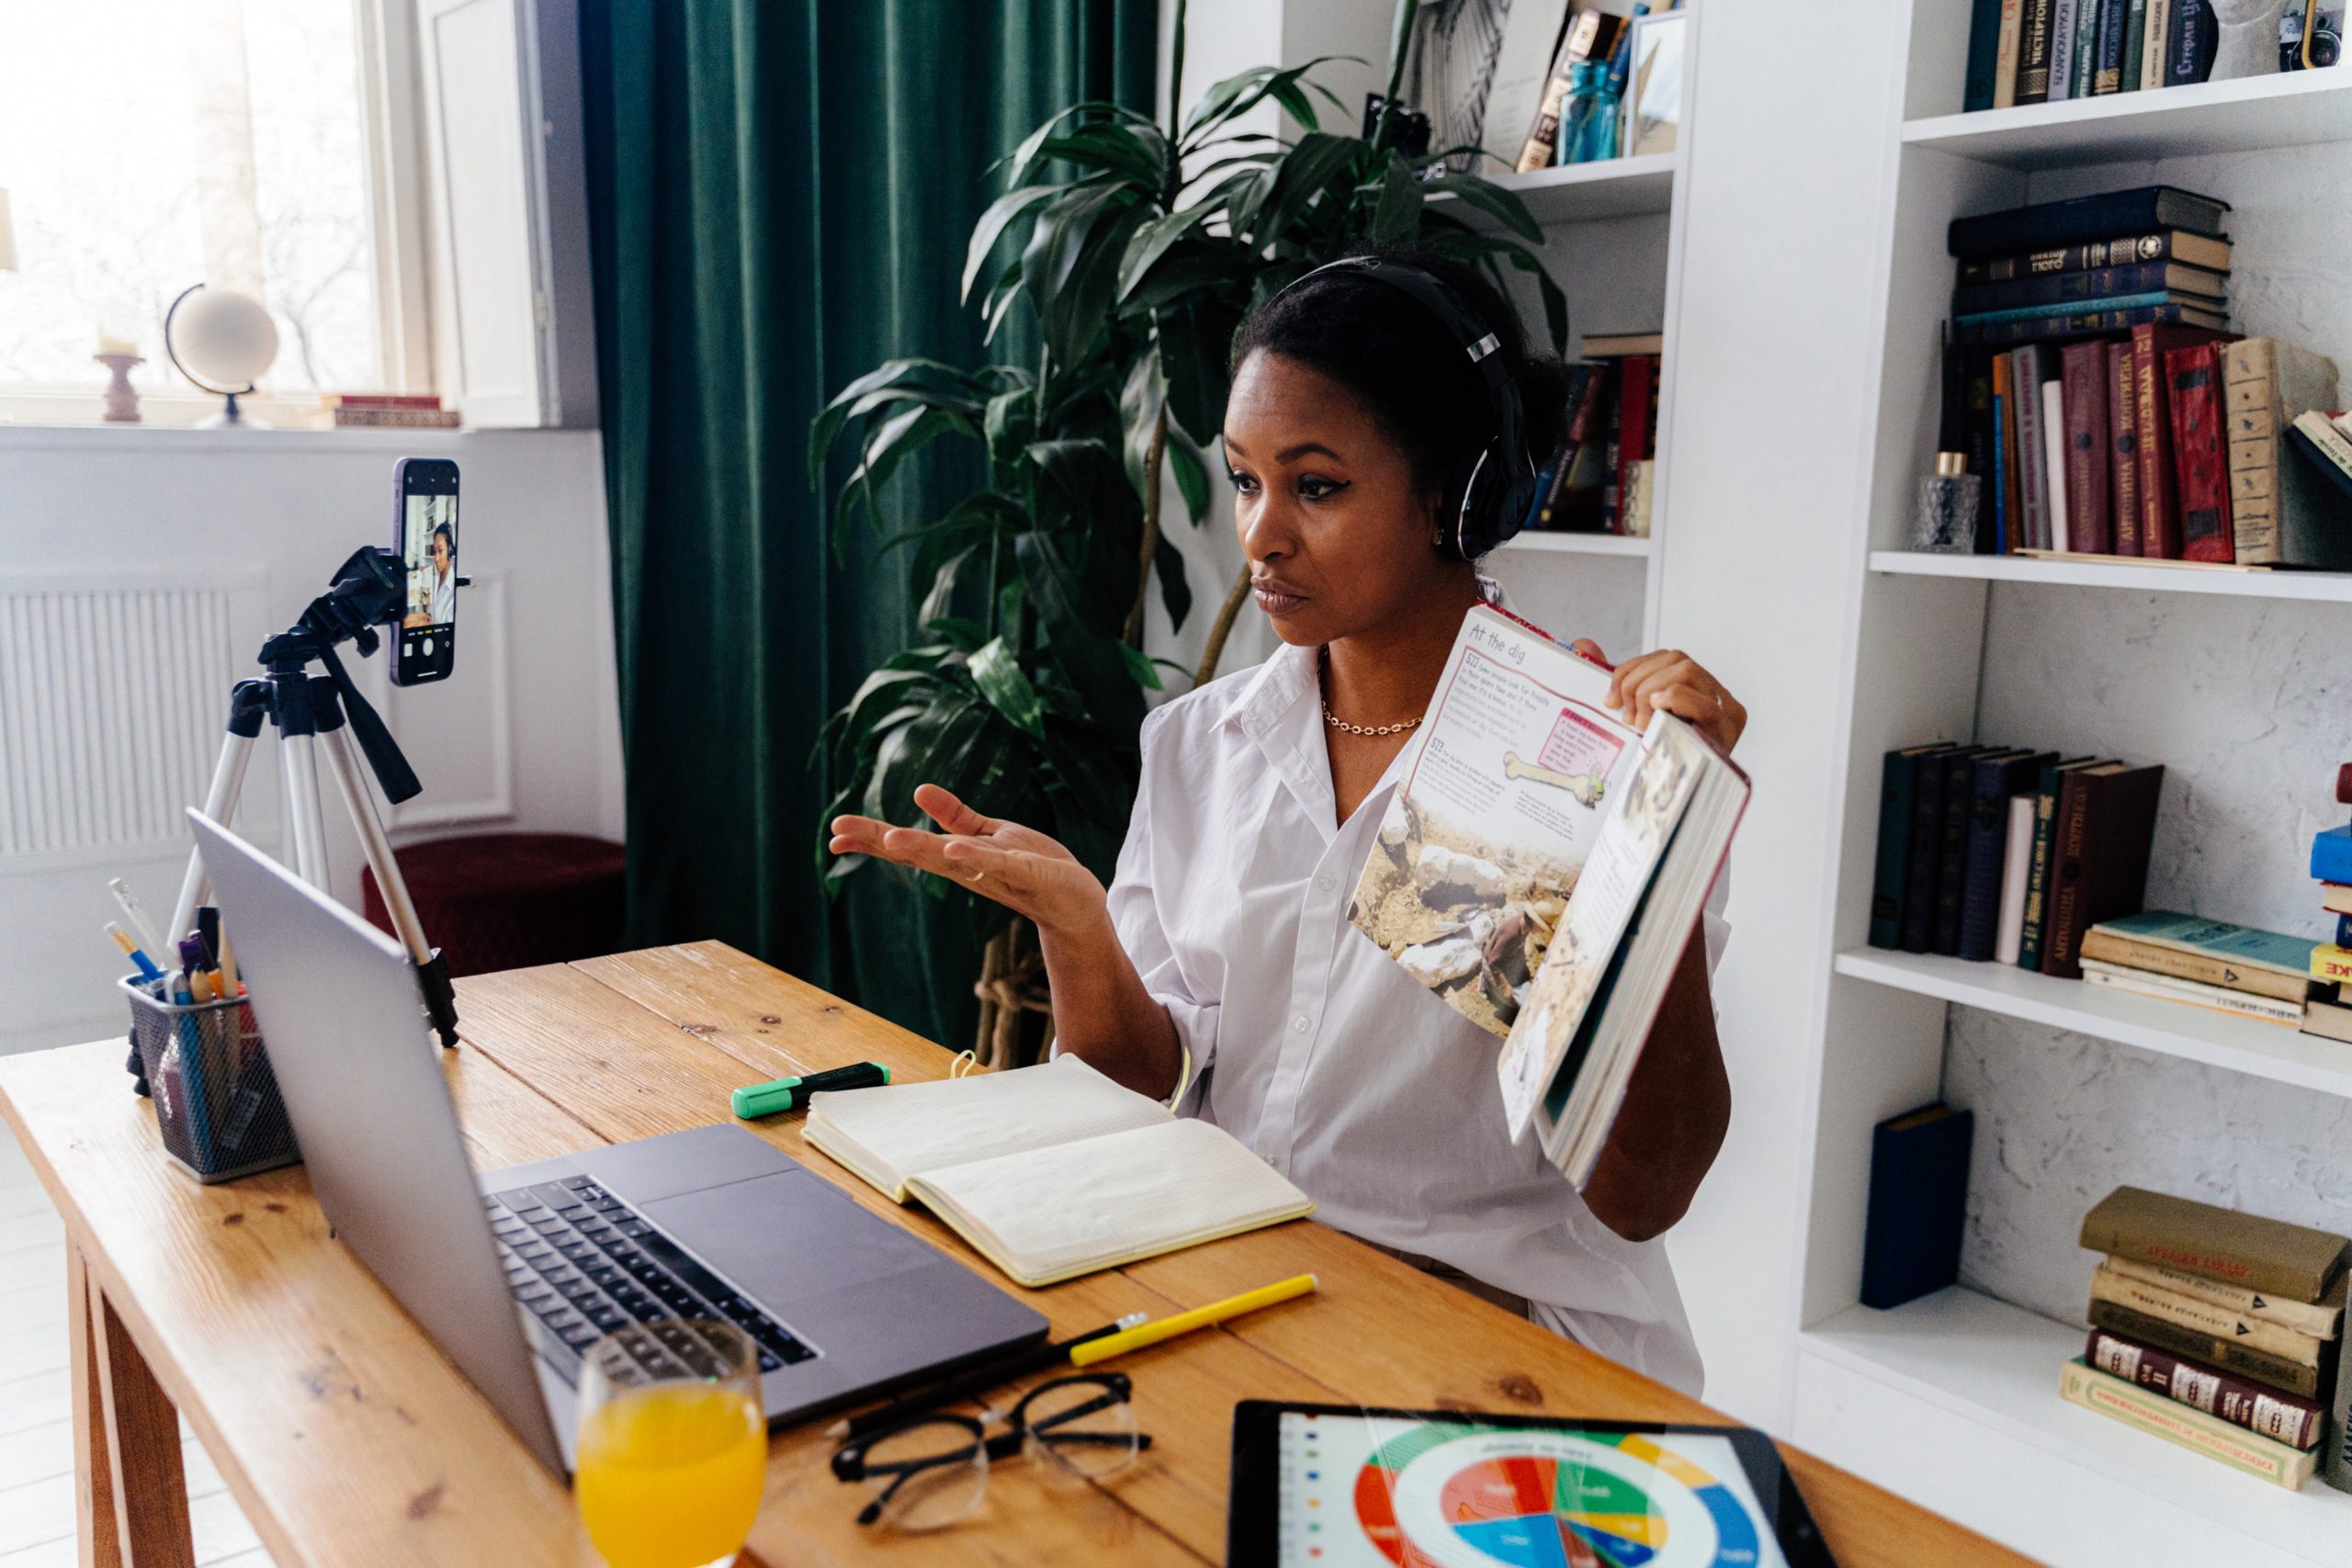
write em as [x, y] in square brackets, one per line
[113, 692]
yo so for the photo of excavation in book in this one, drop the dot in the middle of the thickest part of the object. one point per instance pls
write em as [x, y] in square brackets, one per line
[1490, 827]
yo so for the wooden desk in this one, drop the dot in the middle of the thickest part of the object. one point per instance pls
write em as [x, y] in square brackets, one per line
[348, 1439]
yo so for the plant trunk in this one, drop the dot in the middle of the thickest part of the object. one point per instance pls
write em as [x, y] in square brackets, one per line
[1012, 989]
[1150, 547]
[1223, 629]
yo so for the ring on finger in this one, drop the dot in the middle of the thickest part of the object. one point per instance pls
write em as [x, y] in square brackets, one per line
[978, 877]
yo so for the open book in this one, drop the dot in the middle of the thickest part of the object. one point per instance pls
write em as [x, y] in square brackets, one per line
[1053, 1171]
[1550, 900]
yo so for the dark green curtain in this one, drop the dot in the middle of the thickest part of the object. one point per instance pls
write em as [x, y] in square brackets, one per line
[779, 193]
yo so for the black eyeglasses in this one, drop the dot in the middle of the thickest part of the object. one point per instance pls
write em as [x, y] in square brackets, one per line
[932, 1472]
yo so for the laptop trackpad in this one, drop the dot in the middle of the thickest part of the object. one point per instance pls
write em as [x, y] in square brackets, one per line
[788, 1235]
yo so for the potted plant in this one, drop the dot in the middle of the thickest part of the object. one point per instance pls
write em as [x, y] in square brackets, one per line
[1125, 254]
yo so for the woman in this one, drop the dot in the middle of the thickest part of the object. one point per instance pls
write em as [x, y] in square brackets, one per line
[1220, 969]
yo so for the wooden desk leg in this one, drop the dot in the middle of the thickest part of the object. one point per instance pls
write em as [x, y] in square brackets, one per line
[93, 1469]
[129, 1433]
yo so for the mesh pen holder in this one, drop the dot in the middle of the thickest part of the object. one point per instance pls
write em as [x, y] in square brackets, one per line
[216, 1100]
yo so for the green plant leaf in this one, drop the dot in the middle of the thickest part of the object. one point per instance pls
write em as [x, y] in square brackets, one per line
[917, 381]
[887, 446]
[1397, 214]
[1141, 401]
[998, 674]
[963, 634]
[1317, 163]
[1489, 197]
[1150, 242]
[1240, 93]
[941, 591]
[1184, 461]
[1087, 657]
[993, 223]
[1175, 593]
[1020, 157]
[1132, 152]
[1194, 338]
[1139, 667]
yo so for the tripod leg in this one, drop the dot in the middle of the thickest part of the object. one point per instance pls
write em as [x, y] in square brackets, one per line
[221, 805]
[298, 771]
[433, 975]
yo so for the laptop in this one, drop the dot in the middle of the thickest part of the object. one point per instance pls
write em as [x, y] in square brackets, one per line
[516, 1272]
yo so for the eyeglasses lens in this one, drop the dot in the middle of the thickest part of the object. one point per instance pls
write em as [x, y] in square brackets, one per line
[927, 1476]
[1084, 1429]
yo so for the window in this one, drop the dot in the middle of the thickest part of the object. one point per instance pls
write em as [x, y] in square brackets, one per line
[293, 151]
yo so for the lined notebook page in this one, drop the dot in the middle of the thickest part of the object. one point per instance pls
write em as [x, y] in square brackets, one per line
[908, 1130]
[1050, 1214]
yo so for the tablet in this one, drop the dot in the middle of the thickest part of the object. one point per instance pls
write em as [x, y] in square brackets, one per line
[1344, 1486]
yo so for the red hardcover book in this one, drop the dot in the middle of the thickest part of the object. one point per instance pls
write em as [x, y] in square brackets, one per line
[2258, 1407]
[2159, 489]
[2123, 429]
[2104, 829]
[2090, 529]
[1635, 382]
[2201, 454]
[2012, 497]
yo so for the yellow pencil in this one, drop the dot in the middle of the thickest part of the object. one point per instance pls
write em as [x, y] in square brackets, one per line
[1136, 1339]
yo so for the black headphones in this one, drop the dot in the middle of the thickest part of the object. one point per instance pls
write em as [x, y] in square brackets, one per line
[1487, 494]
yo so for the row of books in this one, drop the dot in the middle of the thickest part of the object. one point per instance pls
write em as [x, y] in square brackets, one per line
[1599, 480]
[2008, 855]
[1536, 57]
[2218, 1331]
[2032, 51]
[381, 410]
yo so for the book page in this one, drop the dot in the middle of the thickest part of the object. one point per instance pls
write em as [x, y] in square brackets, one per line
[908, 1130]
[1614, 880]
[1491, 824]
[1051, 1213]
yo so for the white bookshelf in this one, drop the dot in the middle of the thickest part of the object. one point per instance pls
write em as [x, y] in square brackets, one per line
[1614, 242]
[1953, 1400]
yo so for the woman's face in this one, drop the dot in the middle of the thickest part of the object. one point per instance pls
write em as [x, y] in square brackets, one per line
[1338, 539]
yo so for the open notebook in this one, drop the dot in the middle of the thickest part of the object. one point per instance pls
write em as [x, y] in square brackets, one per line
[1053, 1171]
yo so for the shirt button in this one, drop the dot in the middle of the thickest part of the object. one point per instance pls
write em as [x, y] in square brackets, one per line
[1323, 883]
[1298, 1024]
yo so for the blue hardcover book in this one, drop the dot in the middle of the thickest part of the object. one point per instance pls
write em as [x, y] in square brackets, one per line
[2331, 855]
[2074, 307]
[2344, 930]
[1899, 781]
[1984, 48]
[2091, 320]
[2189, 48]
[1918, 1204]
[2095, 285]
[1951, 870]
[2114, 27]
[2087, 20]
[2063, 16]
[1996, 779]
[2000, 475]
[2048, 225]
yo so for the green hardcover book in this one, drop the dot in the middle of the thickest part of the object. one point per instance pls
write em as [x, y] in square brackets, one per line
[2135, 43]
[2037, 881]
[2148, 1411]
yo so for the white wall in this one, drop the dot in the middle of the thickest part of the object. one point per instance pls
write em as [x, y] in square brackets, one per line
[526, 736]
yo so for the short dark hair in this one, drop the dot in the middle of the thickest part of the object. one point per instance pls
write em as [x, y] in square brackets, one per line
[1402, 363]
[443, 531]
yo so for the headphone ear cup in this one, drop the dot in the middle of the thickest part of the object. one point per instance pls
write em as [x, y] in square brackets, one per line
[1487, 504]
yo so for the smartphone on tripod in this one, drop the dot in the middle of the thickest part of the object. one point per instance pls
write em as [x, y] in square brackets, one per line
[425, 536]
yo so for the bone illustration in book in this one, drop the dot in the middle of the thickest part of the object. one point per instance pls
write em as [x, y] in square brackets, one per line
[1586, 787]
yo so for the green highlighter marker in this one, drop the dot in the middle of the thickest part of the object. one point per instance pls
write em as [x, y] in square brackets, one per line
[790, 1094]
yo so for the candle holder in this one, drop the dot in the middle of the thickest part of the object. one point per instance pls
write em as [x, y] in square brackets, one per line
[121, 398]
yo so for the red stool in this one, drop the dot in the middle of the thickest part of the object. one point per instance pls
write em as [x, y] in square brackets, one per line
[510, 900]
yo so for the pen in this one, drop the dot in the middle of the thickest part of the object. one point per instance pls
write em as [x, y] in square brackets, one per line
[197, 1112]
[1185, 1322]
[136, 916]
[1003, 1369]
[207, 931]
[194, 963]
[132, 950]
[789, 1094]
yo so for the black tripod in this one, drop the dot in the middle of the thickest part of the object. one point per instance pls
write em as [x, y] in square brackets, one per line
[368, 591]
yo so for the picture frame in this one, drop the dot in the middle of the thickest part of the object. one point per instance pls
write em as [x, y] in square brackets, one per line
[1654, 90]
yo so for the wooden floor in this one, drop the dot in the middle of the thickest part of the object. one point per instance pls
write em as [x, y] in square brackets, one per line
[36, 1415]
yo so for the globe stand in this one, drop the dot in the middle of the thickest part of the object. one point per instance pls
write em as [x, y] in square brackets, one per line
[231, 416]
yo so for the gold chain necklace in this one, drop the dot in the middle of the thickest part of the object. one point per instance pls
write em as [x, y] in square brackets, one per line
[1322, 670]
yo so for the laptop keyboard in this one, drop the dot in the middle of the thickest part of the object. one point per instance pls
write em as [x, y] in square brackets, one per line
[583, 1264]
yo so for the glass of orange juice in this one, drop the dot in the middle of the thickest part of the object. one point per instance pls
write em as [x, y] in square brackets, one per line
[674, 1444]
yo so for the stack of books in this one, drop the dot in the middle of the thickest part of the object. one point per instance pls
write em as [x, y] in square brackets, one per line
[1599, 479]
[383, 411]
[2034, 51]
[2238, 970]
[2008, 854]
[2109, 410]
[2214, 1330]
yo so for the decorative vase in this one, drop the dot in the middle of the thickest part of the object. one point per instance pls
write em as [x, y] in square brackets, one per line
[121, 398]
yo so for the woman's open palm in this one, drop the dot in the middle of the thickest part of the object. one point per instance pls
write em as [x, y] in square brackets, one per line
[1019, 867]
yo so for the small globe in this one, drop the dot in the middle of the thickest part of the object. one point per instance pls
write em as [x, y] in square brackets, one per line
[223, 338]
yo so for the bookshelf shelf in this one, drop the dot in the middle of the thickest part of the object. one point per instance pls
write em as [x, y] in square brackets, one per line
[1582, 544]
[1573, 192]
[1997, 1365]
[2253, 114]
[2275, 1050]
[2329, 587]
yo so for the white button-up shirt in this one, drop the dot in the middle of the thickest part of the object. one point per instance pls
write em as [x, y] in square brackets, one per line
[1323, 1056]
